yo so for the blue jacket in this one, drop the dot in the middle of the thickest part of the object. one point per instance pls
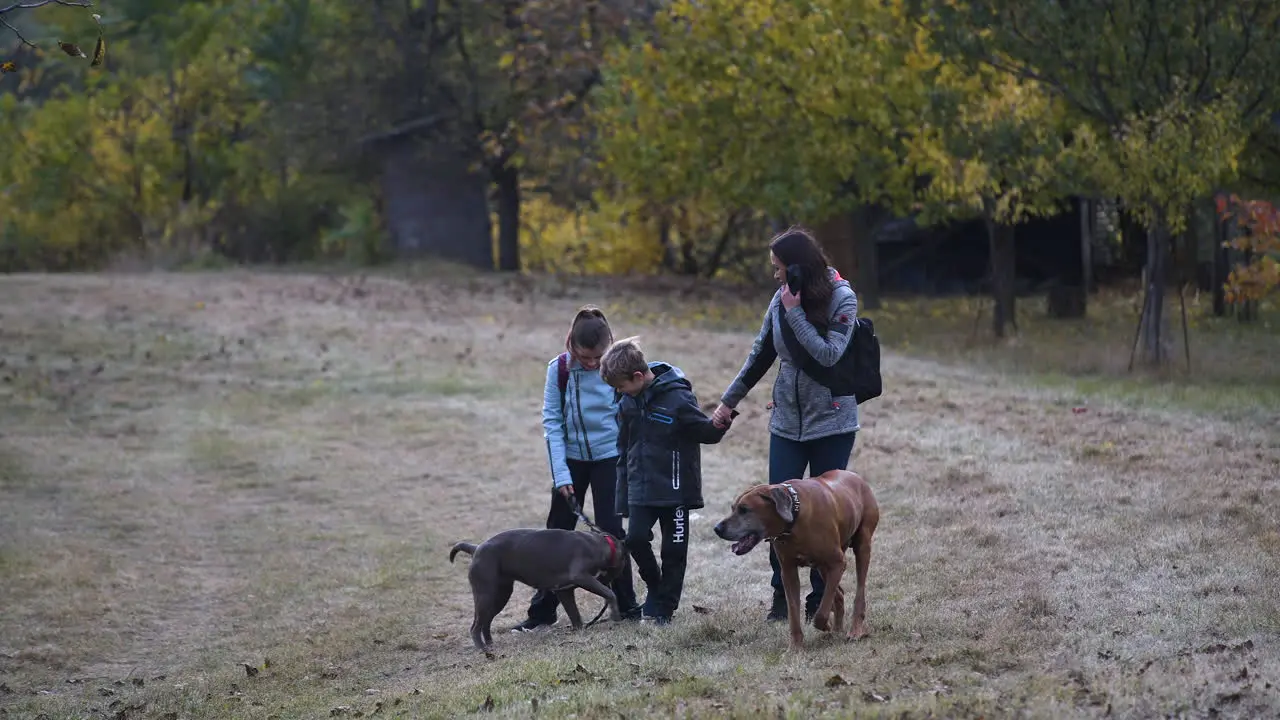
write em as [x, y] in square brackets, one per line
[587, 429]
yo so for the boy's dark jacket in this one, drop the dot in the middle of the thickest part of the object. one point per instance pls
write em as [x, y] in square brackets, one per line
[659, 433]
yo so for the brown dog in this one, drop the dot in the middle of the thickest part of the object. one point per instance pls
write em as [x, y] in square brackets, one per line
[811, 522]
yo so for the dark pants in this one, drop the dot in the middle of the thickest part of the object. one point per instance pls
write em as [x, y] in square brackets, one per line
[787, 461]
[600, 476]
[665, 582]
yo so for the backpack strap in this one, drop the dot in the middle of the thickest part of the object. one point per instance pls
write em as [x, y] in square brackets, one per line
[562, 377]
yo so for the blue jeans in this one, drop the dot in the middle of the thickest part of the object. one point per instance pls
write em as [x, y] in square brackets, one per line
[787, 461]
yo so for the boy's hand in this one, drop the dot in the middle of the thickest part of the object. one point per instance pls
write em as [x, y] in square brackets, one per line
[723, 416]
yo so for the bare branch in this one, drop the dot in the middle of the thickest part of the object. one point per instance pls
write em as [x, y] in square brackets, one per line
[23, 40]
[41, 3]
[32, 5]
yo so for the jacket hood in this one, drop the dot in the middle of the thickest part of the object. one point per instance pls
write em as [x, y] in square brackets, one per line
[667, 377]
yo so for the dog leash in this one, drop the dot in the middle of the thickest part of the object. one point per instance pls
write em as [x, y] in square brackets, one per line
[577, 510]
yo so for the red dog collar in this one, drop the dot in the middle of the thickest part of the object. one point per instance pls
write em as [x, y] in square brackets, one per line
[613, 550]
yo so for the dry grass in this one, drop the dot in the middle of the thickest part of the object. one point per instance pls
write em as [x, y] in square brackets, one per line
[200, 471]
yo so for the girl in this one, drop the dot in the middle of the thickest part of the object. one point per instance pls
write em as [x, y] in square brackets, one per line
[580, 424]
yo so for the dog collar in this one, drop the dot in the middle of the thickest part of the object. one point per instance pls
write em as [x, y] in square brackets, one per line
[613, 550]
[795, 512]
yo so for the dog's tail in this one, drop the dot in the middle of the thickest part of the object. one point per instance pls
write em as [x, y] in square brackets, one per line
[466, 547]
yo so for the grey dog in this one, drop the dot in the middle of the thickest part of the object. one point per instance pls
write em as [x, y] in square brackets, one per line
[553, 560]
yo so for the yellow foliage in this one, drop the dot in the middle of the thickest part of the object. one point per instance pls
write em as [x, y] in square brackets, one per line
[86, 174]
[615, 238]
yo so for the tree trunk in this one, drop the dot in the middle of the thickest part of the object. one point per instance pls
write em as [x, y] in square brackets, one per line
[1152, 323]
[867, 257]
[508, 181]
[835, 234]
[1003, 277]
[664, 237]
[1087, 221]
[1221, 265]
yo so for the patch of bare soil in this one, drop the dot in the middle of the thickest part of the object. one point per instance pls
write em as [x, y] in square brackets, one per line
[233, 494]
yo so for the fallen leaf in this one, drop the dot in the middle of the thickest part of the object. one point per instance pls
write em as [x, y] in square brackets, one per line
[870, 696]
[339, 711]
[488, 704]
[701, 610]
[8, 66]
[250, 670]
[836, 681]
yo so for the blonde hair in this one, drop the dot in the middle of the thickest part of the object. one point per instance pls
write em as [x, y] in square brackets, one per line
[622, 360]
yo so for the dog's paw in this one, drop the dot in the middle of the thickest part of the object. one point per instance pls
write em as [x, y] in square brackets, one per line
[822, 622]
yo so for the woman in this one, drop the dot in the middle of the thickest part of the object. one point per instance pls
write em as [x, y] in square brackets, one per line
[808, 427]
[580, 423]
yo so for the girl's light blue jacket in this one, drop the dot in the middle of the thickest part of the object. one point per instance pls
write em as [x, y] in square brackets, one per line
[587, 429]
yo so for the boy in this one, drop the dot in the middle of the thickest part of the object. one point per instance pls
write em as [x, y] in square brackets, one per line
[659, 467]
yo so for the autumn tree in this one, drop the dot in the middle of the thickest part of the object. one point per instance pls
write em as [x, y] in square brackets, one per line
[1167, 93]
[993, 147]
[790, 108]
[1259, 242]
[532, 64]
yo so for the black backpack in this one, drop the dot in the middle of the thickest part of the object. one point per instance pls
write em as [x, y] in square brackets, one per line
[856, 373]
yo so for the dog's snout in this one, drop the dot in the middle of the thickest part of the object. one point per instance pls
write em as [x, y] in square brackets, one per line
[719, 529]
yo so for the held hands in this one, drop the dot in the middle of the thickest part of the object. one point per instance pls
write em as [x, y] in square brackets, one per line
[722, 417]
[788, 300]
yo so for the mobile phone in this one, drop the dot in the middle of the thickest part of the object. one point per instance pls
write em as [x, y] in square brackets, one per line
[795, 278]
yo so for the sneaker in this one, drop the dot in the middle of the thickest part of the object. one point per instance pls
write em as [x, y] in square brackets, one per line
[632, 615]
[656, 620]
[532, 624]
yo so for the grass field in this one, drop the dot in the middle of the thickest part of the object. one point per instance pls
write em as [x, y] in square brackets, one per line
[231, 495]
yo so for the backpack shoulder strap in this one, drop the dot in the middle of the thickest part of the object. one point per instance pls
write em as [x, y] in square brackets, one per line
[562, 376]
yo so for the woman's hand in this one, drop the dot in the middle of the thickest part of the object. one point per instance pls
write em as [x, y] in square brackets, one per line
[566, 491]
[722, 416]
[788, 300]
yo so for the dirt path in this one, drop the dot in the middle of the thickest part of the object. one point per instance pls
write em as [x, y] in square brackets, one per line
[199, 471]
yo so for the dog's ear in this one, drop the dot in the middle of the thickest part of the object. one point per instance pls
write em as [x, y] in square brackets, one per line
[782, 503]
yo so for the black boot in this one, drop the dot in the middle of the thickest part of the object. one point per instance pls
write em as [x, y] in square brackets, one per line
[778, 611]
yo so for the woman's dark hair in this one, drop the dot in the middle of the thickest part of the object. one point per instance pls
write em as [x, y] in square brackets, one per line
[797, 246]
[589, 330]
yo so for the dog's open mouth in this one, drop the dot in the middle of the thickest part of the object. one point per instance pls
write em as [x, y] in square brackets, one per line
[746, 544]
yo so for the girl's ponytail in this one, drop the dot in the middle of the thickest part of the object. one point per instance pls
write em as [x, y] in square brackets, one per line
[590, 329]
